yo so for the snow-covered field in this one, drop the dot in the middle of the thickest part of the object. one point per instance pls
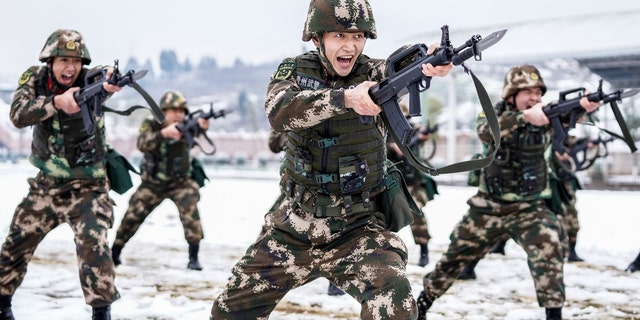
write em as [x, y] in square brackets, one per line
[155, 284]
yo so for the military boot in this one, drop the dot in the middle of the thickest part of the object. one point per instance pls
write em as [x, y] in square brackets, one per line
[194, 264]
[334, 290]
[634, 266]
[5, 308]
[101, 313]
[115, 254]
[554, 313]
[469, 273]
[573, 256]
[499, 247]
[424, 255]
[424, 303]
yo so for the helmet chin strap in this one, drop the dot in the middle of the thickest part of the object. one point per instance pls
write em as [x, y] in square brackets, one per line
[323, 56]
[54, 85]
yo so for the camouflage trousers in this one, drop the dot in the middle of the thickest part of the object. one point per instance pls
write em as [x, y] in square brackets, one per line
[83, 204]
[184, 193]
[530, 224]
[419, 227]
[355, 252]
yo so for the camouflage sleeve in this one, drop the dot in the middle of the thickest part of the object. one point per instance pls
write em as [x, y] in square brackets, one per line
[150, 136]
[508, 121]
[288, 107]
[27, 107]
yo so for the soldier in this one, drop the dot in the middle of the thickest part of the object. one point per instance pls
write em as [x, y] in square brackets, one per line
[167, 173]
[421, 186]
[635, 265]
[329, 224]
[72, 185]
[511, 198]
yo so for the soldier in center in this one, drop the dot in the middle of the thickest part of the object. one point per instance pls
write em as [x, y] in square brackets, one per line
[330, 223]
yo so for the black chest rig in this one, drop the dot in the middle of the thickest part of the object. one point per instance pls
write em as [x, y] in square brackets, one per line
[170, 160]
[339, 156]
[520, 166]
[70, 140]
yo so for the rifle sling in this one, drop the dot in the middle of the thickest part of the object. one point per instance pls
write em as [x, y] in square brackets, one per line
[123, 112]
[623, 127]
[467, 165]
[153, 106]
[155, 110]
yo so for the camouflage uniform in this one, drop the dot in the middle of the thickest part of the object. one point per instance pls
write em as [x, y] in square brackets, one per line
[511, 200]
[320, 229]
[166, 174]
[71, 185]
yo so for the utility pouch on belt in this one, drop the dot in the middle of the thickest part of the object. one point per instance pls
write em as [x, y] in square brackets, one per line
[118, 168]
[197, 172]
[396, 201]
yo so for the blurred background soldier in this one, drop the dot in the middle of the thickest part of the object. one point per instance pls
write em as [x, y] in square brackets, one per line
[167, 173]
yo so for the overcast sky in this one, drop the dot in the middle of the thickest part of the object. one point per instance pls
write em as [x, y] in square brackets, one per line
[254, 31]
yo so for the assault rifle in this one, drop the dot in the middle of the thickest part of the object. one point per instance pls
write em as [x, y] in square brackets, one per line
[405, 75]
[557, 112]
[578, 152]
[91, 97]
[191, 129]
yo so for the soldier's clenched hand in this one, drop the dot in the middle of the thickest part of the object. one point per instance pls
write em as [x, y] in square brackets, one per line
[359, 100]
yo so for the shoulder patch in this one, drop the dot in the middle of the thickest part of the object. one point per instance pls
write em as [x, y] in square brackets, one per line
[25, 77]
[285, 70]
[482, 115]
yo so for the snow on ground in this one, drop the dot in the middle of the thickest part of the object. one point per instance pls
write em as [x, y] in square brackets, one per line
[155, 284]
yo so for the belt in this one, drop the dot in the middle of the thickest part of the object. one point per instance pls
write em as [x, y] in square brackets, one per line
[324, 212]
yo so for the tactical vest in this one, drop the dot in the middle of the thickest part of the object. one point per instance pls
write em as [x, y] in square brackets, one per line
[63, 137]
[339, 156]
[170, 160]
[520, 167]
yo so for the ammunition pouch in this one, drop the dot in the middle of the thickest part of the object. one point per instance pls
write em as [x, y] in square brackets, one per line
[395, 201]
[118, 168]
[197, 172]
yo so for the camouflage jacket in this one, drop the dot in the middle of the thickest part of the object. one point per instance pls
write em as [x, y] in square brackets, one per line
[513, 123]
[164, 159]
[33, 105]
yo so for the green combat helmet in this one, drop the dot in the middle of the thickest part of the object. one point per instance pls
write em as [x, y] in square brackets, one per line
[339, 16]
[173, 99]
[65, 43]
[520, 77]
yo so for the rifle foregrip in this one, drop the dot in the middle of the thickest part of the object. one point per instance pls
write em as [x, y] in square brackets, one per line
[461, 57]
